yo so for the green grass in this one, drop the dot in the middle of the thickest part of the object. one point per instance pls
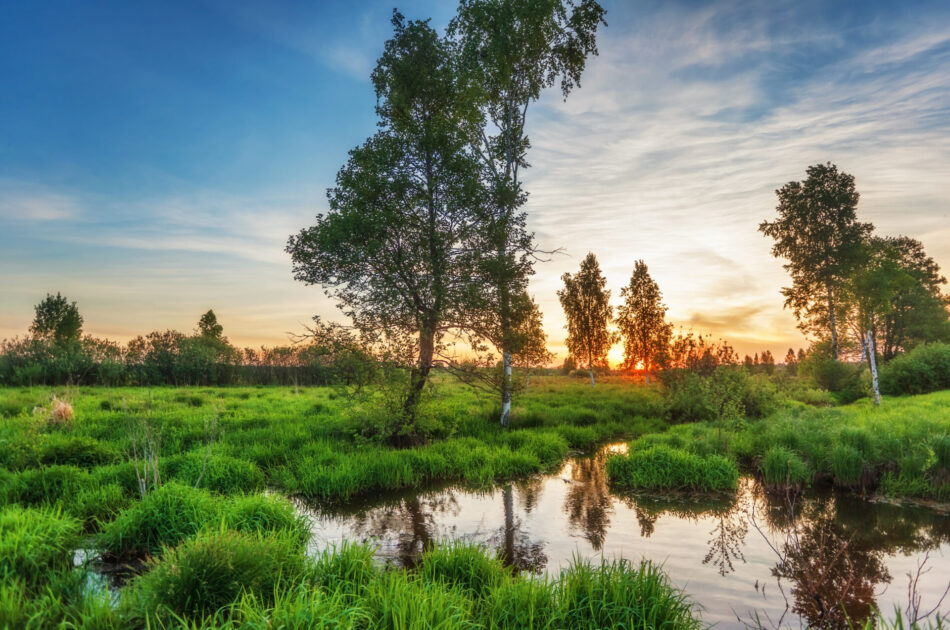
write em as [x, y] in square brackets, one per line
[899, 449]
[665, 468]
[75, 485]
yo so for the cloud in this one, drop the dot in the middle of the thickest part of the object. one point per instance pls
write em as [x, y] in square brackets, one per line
[687, 123]
[28, 203]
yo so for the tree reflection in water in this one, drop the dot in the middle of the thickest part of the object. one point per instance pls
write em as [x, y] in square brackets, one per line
[513, 544]
[411, 521]
[834, 574]
[589, 504]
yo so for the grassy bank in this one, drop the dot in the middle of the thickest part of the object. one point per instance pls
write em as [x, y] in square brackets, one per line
[313, 442]
[901, 449]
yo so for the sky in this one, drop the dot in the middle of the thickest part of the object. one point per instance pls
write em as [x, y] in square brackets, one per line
[155, 157]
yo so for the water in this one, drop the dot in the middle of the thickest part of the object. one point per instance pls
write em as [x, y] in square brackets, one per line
[737, 556]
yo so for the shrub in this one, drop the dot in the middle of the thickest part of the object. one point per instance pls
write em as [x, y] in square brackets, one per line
[924, 369]
[212, 570]
[783, 469]
[834, 376]
[35, 544]
[664, 468]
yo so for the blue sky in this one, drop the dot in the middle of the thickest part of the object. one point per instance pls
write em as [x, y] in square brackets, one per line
[154, 157]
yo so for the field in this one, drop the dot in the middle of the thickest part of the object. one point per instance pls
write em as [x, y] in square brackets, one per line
[185, 485]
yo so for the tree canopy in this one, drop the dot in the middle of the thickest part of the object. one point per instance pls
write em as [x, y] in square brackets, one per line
[641, 320]
[57, 320]
[818, 233]
[586, 302]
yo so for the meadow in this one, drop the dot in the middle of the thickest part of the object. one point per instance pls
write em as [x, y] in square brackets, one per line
[186, 489]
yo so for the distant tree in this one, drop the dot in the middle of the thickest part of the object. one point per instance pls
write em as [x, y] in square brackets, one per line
[767, 361]
[209, 328]
[641, 320]
[511, 51]
[396, 246]
[791, 362]
[57, 320]
[817, 231]
[755, 359]
[801, 354]
[586, 303]
[568, 366]
[748, 363]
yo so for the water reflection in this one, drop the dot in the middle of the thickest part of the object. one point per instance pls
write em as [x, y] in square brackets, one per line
[588, 504]
[827, 557]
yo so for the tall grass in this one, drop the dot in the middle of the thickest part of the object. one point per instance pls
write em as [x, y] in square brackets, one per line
[665, 468]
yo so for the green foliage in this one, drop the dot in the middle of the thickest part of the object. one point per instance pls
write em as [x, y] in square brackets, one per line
[586, 303]
[466, 568]
[163, 518]
[212, 570]
[847, 466]
[924, 369]
[838, 377]
[664, 468]
[783, 469]
[619, 595]
[57, 320]
[34, 544]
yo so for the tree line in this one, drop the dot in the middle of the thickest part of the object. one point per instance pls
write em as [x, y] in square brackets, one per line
[56, 352]
[858, 295]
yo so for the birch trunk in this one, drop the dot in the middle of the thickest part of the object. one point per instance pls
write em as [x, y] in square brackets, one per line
[872, 361]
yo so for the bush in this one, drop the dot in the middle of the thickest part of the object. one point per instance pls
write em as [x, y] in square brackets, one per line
[204, 574]
[84, 452]
[35, 544]
[664, 468]
[924, 369]
[834, 376]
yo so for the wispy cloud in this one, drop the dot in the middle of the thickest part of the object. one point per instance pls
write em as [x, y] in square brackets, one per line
[687, 123]
[30, 203]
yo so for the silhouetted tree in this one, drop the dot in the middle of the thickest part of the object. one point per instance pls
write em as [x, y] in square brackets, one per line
[641, 320]
[57, 320]
[817, 231]
[511, 51]
[586, 303]
[209, 328]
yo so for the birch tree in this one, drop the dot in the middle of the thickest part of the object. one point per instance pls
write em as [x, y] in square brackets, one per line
[395, 248]
[818, 233]
[641, 320]
[513, 50]
[586, 303]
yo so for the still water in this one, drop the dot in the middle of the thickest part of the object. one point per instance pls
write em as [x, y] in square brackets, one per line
[738, 556]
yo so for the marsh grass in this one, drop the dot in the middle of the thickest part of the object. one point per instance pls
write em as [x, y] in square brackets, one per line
[666, 468]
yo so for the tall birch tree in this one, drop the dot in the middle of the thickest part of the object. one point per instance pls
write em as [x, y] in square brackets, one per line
[586, 302]
[396, 246]
[513, 50]
[641, 320]
[818, 233]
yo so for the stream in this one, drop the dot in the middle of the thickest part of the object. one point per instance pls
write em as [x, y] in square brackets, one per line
[818, 557]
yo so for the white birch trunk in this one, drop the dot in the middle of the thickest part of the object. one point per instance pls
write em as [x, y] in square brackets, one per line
[872, 361]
